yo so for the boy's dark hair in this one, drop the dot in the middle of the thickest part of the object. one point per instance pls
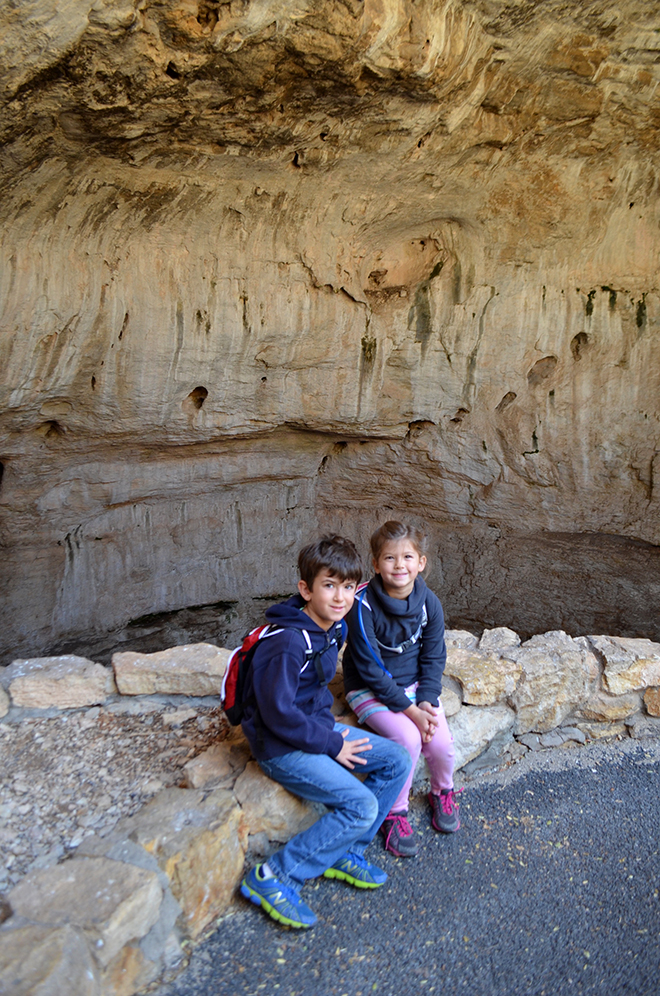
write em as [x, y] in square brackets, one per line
[334, 554]
[393, 530]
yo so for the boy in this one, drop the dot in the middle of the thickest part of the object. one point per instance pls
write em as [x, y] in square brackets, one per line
[296, 741]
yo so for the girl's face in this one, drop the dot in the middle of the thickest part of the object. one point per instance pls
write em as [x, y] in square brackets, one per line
[399, 564]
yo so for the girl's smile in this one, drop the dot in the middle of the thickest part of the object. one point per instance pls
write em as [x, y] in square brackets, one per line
[398, 564]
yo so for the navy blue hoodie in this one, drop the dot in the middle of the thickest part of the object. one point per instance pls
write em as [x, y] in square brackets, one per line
[390, 622]
[293, 707]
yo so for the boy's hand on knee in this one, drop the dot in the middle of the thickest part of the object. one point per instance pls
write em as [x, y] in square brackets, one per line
[349, 755]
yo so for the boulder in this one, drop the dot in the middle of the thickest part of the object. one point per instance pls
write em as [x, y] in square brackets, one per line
[66, 682]
[599, 731]
[211, 769]
[112, 902]
[192, 669]
[199, 841]
[629, 665]
[652, 701]
[460, 638]
[553, 682]
[484, 679]
[450, 700]
[605, 708]
[128, 971]
[493, 640]
[47, 961]
[4, 703]
[474, 729]
[270, 808]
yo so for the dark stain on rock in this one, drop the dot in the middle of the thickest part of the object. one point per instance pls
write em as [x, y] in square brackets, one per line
[589, 307]
[507, 400]
[640, 313]
[579, 345]
[369, 346]
[123, 326]
[612, 293]
[541, 370]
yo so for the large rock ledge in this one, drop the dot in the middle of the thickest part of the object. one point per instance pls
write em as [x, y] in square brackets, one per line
[122, 910]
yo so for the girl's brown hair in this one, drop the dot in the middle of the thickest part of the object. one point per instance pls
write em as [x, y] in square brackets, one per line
[393, 530]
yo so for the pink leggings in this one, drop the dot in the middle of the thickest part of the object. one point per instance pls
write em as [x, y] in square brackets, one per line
[439, 752]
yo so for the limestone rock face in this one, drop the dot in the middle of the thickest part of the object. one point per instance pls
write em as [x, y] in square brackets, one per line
[551, 683]
[199, 842]
[65, 682]
[484, 679]
[45, 961]
[188, 670]
[652, 701]
[474, 729]
[268, 268]
[629, 664]
[110, 901]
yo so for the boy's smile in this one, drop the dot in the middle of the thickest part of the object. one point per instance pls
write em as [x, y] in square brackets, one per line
[329, 598]
[398, 564]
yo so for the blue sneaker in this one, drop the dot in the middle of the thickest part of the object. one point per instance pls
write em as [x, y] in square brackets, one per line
[278, 900]
[357, 871]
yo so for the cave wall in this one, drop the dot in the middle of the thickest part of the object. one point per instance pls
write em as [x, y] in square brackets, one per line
[270, 267]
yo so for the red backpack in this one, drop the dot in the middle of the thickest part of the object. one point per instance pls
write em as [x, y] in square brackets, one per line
[232, 693]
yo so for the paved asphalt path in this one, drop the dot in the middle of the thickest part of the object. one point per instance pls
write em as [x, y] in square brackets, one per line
[550, 888]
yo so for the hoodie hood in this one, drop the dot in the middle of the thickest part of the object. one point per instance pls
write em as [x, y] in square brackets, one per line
[411, 606]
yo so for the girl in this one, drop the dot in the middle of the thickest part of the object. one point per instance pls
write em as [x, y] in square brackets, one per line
[393, 666]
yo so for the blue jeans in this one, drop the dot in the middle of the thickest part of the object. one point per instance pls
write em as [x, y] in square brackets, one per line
[357, 808]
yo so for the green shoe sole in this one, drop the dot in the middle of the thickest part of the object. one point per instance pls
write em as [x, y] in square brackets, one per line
[345, 877]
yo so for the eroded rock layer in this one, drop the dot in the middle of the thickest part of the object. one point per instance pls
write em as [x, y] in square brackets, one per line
[267, 266]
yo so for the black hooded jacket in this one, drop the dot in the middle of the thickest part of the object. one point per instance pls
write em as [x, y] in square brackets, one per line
[389, 623]
[287, 708]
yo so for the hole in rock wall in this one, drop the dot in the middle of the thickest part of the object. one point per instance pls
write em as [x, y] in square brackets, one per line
[198, 396]
[579, 344]
[541, 370]
[2, 471]
[51, 430]
[172, 71]
[507, 400]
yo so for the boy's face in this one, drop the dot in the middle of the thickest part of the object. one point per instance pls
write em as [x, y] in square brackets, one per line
[329, 598]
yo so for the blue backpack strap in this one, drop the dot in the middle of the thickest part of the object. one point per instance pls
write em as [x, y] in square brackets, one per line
[360, 598]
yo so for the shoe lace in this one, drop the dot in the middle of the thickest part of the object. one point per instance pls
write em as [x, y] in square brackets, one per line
[403, 828]
[449, 802]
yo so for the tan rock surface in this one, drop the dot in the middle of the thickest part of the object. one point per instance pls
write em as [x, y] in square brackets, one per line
[4, 703]
[652, 701]
[260, 277]
[44, 961]
[553, 682]
[128, 972]
[484, 679]
[199, 841]
[269, 808]
[195, 669]
[210, 769]
[606, 708]
[630, 664]
[474, 729]
[65, 682]
[450, 701]
[112, 902]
